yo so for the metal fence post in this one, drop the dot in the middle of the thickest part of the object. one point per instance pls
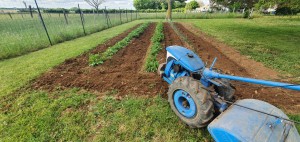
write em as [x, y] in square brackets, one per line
[106, 17]
[9, 15]
[30, 9]
[126, 14]
[81, 18]
[40, 15]
[131, 14]
[65, 17]
[120, 15]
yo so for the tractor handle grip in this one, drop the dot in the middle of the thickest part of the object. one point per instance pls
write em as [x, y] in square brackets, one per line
[209, 74]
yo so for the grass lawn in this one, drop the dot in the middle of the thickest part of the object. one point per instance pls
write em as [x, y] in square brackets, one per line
[271, 40]
[17, 72]
[78, 115]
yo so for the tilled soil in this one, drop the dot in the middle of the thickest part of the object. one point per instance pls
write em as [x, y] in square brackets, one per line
[289, 100]
[123, 74]
[118, 76]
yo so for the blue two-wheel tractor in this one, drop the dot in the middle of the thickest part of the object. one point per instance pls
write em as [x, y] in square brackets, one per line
[198, 94]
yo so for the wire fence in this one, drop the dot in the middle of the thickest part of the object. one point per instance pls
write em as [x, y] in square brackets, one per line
[33, 28]
[25, 32]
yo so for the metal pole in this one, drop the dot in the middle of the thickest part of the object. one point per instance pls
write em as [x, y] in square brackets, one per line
[131, 14]
[120, 15]
[30, 11]
[40, 15]
[126, 14]
[81, 18]
[65, 17]
[106, 17]
[9, 15]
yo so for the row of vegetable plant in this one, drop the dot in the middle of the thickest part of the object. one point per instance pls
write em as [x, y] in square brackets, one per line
[151, 61]
[97, 59]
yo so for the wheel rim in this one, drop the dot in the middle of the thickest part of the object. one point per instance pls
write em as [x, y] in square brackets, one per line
[184, 103]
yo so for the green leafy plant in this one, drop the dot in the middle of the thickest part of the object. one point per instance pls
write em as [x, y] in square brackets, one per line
[97, 59]
[151, 62]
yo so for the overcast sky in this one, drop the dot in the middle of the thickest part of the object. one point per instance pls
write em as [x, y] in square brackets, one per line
[68, 3]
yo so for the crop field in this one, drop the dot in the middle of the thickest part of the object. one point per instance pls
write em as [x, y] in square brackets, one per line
[104, 86]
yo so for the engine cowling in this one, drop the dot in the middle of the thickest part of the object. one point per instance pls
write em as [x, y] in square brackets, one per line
[181, 62]
[186, 58]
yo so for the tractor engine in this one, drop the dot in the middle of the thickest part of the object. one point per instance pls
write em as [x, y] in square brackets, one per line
[180, 62]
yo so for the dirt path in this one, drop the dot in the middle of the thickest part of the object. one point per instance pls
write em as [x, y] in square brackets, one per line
[286, 99]
[119, 75]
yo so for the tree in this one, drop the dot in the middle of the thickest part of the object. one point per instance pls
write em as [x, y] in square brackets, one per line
[284, 7]
[191, 5]
[95, 3]
[227, 3]
[178, 4]
[157, 4]
[169, 12]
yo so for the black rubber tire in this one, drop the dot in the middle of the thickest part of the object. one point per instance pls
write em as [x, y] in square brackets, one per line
[161, 69]
[202, 99]
[227, 91]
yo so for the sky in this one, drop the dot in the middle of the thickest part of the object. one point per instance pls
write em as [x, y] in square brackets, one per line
[110, 4]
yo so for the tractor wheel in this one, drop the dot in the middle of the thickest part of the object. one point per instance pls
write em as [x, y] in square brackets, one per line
[227, 91]
[190, 102]
[161, 69]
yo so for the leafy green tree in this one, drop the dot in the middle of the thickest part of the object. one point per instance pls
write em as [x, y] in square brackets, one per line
[191, 5]
[179, 4]
[227, 3]
[157, 4]
[284, 7]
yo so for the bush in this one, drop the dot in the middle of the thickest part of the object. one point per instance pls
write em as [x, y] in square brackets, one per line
[286, 11]
[246, 14]
[56, 10]
[191, 5]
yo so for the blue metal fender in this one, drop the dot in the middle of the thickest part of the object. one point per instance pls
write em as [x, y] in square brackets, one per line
[241, 124]
[187, 58]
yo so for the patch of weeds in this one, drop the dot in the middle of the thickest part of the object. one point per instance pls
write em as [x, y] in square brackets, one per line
[112, 92]
[152, 85]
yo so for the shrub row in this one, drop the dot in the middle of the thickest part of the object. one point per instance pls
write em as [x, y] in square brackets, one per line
[96, 59]
[151, 61]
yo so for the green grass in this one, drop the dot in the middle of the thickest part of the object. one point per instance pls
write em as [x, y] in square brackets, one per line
[23, 35]
[17, 72]
[97, 59]
[273, 41]
[78, 115]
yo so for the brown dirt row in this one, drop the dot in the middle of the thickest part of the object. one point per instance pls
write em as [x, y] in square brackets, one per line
[120, 75]
[286, 99]
[171, 38]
